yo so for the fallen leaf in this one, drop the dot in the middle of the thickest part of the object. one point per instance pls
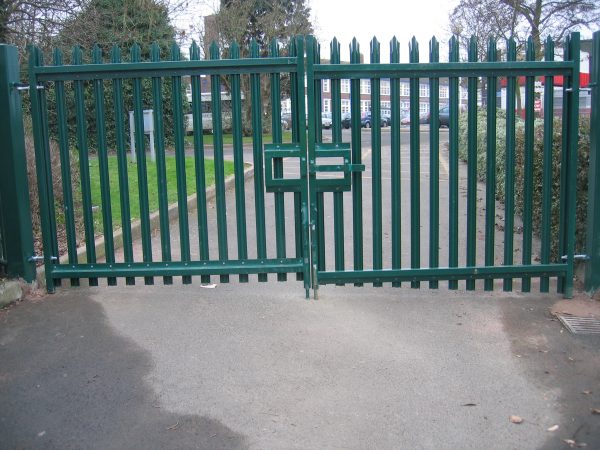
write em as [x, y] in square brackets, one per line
[587, 392]
[516, 419]
[595, 411]
[570, 442]
[208, 286]
[470, 404]
[173, 427]
[553, 428]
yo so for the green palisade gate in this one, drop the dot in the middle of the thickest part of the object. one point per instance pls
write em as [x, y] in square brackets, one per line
[328, 210]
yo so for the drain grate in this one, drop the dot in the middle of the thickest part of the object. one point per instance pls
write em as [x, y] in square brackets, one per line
[580, 325]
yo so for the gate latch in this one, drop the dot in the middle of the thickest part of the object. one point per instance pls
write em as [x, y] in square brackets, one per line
[329, 183]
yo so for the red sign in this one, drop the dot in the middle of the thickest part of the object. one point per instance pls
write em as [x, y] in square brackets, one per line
[538, 105]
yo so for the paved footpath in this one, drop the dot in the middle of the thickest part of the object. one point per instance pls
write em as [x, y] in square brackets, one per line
[257, 366]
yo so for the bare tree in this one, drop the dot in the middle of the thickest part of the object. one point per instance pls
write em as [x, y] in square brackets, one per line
[32, 21]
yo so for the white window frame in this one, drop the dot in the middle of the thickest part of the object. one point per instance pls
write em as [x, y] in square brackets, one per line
[326, 105]
[345, 86]
[423, 90]
[444, 92]
[384, 88]
[325, 85]
[404, 89]
[365, 106]
[423, 107]
[365, 87]
[345, 105]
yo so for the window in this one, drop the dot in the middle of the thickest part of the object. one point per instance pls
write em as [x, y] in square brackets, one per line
[325, 85]
[404, 105]
[404, 89]
[365, 106]
[345, 105]
[385, 87]
[345, 86]
[423, 108]
[385, 105]
[326, 105]
[443, 91]
[365, 86]
[423, 90]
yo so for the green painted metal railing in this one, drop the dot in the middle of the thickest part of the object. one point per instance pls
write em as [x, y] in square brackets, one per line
[393, 206]
[467, 258]
[74, 87]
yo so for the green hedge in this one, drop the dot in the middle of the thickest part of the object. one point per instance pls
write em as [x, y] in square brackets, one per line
[582, 169]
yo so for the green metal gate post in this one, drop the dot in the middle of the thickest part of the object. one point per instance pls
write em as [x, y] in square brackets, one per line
[15, 208]
[592, 271]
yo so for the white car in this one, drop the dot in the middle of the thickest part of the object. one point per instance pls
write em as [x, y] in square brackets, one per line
[326, 120]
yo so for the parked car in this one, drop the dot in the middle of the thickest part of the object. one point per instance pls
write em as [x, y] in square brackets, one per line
[387, 118]
[366, 121]
[444, 117]
[286, 121]
[326, 120]
[346, 122]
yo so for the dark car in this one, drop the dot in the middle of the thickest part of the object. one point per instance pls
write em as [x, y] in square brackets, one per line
[366, 121]
[444, 117]
[346, 123]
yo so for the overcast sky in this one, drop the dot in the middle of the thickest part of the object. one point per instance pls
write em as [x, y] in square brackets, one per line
[363, 19]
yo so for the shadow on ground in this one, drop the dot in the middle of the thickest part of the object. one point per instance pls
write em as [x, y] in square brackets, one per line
[81, 386]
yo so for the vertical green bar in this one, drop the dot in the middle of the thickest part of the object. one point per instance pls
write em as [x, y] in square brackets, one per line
[300, 114]
[336, 135]
[217, 121]
[43, 170]
[295, 138]
[140, 152]
[65, 166]
[357, 211]
[278, 162]
[48, 162]
[178, 113]
[547, 177]
[528, 168]
[84, 166]
[238, 162]
[199, 166]
[396, 162]
[259, 192]
[122, 164]
[320, 211]
[415, 167]
[592, 268]
[109, 246]
[161, 169]
[490, 169]
[313, 135]
[434, 163]
[573, 143]
[16, 236]
[472, 165]
[376, 162]
[509, 180]
[453, 165]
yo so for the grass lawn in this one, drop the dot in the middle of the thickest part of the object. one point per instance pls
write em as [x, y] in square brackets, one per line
[152, 185]
[228, 139]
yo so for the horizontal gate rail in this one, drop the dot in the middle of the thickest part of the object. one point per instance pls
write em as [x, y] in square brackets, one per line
[178, 268]
[441, 273]
[165, 68]
[449, 69]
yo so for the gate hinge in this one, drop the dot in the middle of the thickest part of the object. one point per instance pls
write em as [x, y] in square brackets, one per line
[36, 258]
[576, 257]
[25, 86]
